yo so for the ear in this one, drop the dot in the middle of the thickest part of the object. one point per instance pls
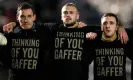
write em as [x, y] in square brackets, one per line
[78, 16]
[17, 17]
[61, 17]
[34, 17]
[117, 27]
[101, 28]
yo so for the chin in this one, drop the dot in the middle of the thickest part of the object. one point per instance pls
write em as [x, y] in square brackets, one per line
[27, 27]
[108, 35]
[65, 22]
[68, 22]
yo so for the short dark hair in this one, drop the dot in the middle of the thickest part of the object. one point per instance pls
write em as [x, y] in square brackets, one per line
[112, 15]
[71, 4]
[25, 5]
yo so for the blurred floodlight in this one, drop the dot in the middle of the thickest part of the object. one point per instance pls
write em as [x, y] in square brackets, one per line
[114, 8]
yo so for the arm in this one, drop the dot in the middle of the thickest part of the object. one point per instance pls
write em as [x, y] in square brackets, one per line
[122, 34]
[81, 24]
[9, 27]
[93, 34]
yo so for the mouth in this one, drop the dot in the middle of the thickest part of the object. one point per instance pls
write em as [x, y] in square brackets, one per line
[107, 30]
[68, 19]
[25, 23]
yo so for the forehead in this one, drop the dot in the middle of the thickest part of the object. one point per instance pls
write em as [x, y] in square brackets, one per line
[108, 18]
[25, 12]
[69, 8]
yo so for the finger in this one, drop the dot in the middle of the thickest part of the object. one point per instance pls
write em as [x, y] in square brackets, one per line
[121, 39]
[119, 36]
[125, 41]
[125, 38]
[9, 30]
[87, 36]
[93, 38]
[90, 36]
[4, 28]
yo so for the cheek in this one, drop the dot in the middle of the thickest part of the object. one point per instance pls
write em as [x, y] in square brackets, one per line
[77, 17]
[113, 30]
[20, 19]
[62, 17]
[103, 28]
[74, 17]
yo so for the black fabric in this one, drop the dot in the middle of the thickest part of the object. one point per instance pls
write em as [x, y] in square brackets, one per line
[69, 60]
[28, 54]
[130, 54]
[68, 68]
[109, 59]
[1, 28]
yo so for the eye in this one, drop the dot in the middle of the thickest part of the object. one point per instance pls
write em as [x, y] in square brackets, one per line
[111, 22]
[71, 12]
[22, 16]
[65, 12]
[105, 23]
[29, 16]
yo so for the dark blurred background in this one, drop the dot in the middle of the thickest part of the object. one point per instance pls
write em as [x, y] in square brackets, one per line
[90, 13]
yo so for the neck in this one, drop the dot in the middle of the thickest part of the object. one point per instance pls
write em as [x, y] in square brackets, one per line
[26, 28]
[109, 38]
[72, 25]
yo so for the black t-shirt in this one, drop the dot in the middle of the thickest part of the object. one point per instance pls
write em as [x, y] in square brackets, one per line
[69, 60]
[28, 52]
[130, 55]
[109, 59]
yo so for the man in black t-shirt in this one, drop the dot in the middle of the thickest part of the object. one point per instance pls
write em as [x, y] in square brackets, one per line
[109, 54]
[28, 47]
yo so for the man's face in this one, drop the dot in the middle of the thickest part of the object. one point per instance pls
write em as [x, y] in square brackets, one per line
[109, 25]
[69, 14]
[26, 18]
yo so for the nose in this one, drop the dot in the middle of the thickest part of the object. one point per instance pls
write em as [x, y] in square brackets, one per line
[67, 15]
[25, 20]
[107, 25]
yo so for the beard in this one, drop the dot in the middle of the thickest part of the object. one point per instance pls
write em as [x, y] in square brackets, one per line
[70, 25]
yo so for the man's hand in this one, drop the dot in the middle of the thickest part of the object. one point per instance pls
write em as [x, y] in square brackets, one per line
[122, 35]
[9, 27]
[91, 35]
[81, 24]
